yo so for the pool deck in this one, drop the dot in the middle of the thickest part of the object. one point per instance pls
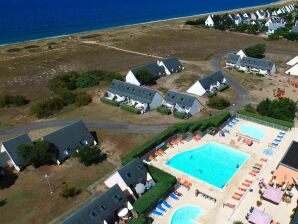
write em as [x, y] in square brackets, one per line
[214, 213]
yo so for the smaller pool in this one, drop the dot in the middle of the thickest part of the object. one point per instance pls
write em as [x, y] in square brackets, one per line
[252, 131]
[186, 215]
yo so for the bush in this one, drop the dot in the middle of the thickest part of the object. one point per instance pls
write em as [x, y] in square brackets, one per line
[139, 220]
[250, 108]
[130, 109]
[69, 192]
[163, 110]
[195, 127]
[218, 102]
[223, 88]
[89, 155]
[210, 95]
[82, 99]
[237, 222]
[145, 77]
[86, 80]
[67, 96]
[9, 100]
[150, 199]
[200, 21]
[179, 115]
[42, 153]
[111, 102]
[286, 124]
[64, 81]
[47, 107]
[259, 203]
[273, 36]
[283, 109]
[256, 51]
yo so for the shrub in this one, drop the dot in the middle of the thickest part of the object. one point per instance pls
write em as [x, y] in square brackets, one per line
[63, 81]
[283, 123]
[218, 102]
[163, 110]
[41, 153]
[86, 80]
[9, 100]
[256, 51]
[220, 119]
[283, 109]
[145, 77]
[67, 96]
[273, 36]
[89, 155]
[111, 102]
[210, 95]
[193, 128]
[223, 88]
[179, 115]
[47, 107]
[69, 192]
[259, 203]
[139, 220]
[237, 222]
[250, 108]
[200, 21]
[150, 199]
[130, 109]
[82, 99]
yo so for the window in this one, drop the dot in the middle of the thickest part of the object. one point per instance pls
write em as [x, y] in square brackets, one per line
[117, 197]
[140, 167]
[128, 175]
[103, 207]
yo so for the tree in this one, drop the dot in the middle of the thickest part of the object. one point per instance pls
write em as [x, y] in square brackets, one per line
[63, 81]
[218, 102]
[69, 191]
[9, 100]
[47, 107]
[87, 80]
[82, 99]
[145, 77]
[41, 153]
[89, 155]
[256, 51]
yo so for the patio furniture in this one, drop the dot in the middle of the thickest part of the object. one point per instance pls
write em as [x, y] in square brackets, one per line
[165, 203]
[259, 217]
[273, 194]
[174, 196]
[161, 208]
[156, 213]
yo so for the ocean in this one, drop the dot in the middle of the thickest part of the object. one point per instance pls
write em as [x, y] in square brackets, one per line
[23, 20]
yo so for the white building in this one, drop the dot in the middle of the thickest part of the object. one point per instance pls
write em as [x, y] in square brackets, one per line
[255, 65]
[182, 103]
[275, 26]
[209, 21]
[293, 61]
[156, 69]
[293, 70]
[140, 97]
[208, 84]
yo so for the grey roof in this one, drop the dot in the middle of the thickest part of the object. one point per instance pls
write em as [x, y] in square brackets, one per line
[133, 173]
[3, 159]
[12, 145]
[138, 93]
[172, 64]
[275, 26]
[233, 58]
[102, 207]
[70, 138]
[153, 69]
[179, 98]
[295, 218]
[209, 80]
[257, 63]
[295, 28]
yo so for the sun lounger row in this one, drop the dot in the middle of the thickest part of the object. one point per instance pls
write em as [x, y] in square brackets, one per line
[160, 210]
[196, 137]
[184, 183]
[197, 192]
[233, 122]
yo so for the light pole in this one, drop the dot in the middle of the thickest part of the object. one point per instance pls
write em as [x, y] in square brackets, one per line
[48, 181]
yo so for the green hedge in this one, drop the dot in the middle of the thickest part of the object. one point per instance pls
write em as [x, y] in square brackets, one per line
[287, 124]
[179, 115]
[163, 187]
[212, 94]
[139, 220]
[223, 88]
[130, 109]
[183, 127]
[111, 102]
[163, 110]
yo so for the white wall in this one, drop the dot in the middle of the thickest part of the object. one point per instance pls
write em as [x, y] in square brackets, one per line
[209, 21]
[156, 102]
[130, 78]
[114, 179]
[3, 149]
[197, 89]
[197, 106]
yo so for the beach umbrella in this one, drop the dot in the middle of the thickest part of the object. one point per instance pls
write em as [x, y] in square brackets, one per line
[129, 206]
[105, 222]
[123, 212]
[140, 188]
[149, 177]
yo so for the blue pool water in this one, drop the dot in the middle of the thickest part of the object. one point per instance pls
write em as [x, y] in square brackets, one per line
[186, 214]
[252, 131]
[213, 163]
[22, 20]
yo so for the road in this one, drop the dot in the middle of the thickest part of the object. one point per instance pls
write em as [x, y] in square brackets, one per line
[242, 99]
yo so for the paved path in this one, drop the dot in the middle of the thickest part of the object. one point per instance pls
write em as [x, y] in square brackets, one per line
[242, 99]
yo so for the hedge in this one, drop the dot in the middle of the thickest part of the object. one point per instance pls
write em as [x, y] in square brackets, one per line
[130, 109]
[179, 115]
[224, 88]
[163, 187]
[111, 102]
[287, 124]
[163, 110]
[139, 220]
[177, 128]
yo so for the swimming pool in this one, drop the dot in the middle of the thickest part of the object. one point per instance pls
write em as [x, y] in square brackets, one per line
[186, 214]
[252, 131]
[213, 163]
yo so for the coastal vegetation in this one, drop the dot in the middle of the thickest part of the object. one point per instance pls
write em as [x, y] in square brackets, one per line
[69, 192]
[89, 155]
[256, 51]
[47, 107]
[12, 100]
[218, 102]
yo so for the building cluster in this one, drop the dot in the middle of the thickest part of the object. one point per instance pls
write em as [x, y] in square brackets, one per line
[246, 64]
[293, 67]
[66, 141]
[273, 20]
